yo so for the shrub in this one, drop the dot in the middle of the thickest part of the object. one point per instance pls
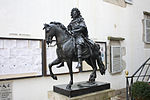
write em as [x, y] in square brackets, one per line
[141, 90]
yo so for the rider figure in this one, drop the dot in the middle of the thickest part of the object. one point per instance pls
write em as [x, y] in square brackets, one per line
[78, 29]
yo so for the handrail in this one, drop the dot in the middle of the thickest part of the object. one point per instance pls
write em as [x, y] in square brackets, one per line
[140, 70]
[141, 66]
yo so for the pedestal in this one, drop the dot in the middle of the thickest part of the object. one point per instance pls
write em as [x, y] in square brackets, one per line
[81, 88]
[100, 95]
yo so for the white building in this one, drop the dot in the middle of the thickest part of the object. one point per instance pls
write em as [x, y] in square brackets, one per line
[104, 18]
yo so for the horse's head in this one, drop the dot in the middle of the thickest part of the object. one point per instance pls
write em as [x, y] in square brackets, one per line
[49, 33]
[58, 30]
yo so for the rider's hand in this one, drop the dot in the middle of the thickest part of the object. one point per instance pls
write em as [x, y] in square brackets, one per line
[73, 33]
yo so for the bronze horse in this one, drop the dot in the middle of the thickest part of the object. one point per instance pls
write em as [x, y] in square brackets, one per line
[66, 51]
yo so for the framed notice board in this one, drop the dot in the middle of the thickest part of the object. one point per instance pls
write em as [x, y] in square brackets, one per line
[20, 58]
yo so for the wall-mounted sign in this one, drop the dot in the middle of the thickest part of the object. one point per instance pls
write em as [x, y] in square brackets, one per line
[5, 90]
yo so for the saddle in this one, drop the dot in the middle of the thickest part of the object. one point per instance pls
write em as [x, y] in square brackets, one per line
[88, 48]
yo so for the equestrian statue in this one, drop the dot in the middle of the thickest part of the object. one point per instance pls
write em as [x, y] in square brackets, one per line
[73, 45]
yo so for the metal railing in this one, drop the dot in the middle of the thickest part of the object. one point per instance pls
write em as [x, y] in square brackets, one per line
[142, 74]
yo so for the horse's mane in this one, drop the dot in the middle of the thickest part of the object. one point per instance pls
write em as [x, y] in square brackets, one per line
[60, 25]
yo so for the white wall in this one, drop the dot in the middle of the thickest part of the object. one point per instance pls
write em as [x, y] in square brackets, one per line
[28, 16]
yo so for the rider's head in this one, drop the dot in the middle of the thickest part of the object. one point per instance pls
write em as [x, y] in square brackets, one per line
[75, 13]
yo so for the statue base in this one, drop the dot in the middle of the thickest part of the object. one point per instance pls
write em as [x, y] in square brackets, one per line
[100, 95]
[81, 88]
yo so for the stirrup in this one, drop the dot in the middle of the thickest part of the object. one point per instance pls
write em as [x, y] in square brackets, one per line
[79, 65]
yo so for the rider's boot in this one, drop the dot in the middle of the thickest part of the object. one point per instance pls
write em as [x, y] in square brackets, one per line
[79, 57]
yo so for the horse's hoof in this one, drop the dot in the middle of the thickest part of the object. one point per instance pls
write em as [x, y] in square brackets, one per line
[55, 77]
[102, 71]
[58, 66]
[61, 65]
[68, 87]
[91, 80]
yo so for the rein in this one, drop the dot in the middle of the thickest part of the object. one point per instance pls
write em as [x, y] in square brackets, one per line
[62, 42]
[59, 43]
[52, 45]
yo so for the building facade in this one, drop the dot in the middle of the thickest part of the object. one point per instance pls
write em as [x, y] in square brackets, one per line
[104, 19]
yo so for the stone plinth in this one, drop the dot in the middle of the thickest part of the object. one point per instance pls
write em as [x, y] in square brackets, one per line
[100, 95]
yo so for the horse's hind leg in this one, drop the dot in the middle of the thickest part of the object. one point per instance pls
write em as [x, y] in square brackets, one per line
[92, 63]
[55, 62]
[101, 65]
[69, 63]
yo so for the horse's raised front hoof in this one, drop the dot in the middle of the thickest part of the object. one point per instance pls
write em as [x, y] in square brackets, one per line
[61, 65]
[68, 87]
[54, 77]
[58, 66]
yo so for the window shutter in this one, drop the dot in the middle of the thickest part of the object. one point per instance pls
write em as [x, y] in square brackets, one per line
[147, 30]
[116, 59]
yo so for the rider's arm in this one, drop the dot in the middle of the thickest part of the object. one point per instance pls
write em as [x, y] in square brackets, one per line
[69, 27]
[79, 29]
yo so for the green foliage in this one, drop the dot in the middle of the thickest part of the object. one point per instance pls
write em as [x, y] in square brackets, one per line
[141, 90]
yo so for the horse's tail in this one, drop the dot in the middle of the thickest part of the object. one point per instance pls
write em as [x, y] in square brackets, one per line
[101, 66]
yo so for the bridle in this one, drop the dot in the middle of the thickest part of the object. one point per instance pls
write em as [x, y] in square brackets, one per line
[47, 28]
[49, 42]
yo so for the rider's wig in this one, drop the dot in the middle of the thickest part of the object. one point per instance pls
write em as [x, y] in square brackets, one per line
[77, 10]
